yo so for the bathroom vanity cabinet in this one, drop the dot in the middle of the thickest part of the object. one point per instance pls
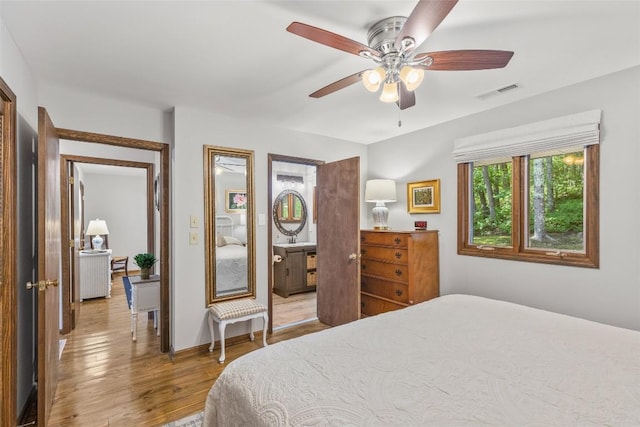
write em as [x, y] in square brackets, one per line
[295, 271]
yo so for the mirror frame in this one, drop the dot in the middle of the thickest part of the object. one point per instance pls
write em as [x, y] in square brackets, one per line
[276, 218]
[209, 153]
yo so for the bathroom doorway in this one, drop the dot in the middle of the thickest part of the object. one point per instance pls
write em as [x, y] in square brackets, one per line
[292, 241]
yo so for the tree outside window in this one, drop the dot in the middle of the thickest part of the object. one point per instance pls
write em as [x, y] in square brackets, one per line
[540, 207]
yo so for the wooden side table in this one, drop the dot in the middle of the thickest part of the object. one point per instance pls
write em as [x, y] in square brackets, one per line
[145, 297]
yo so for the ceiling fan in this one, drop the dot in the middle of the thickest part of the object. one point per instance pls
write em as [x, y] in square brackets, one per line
[392, 43]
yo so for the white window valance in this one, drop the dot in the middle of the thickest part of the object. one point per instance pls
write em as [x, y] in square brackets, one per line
[549, 136]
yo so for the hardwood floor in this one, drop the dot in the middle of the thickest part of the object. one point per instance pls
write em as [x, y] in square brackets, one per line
[106, 379]
[294, 308]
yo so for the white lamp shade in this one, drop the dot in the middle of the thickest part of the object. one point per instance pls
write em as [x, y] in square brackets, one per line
[389, 92]
[373, 78]
[97, 227]
[380, 190]
[412, 77]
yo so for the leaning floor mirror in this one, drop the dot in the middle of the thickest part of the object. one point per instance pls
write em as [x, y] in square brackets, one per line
[229, 223]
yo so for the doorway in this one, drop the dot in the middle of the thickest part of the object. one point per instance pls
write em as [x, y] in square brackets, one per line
[119, 192]
[163, 208]
[291, 239]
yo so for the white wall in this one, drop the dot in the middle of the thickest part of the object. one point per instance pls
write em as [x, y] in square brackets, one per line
[610, 294]
[193, 129]
[71, 108]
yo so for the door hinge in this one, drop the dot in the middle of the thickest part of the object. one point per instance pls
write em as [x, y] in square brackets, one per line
[72, 243]
[72, 180]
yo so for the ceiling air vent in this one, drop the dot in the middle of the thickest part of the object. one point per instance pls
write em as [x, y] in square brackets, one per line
[499, 91]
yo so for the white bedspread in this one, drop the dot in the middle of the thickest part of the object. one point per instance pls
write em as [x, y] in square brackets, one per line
[231, 269]
[454, 361]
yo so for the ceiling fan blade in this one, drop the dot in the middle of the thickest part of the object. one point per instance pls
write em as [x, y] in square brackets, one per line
[424, 18]
[335, 86]
[453, 60]
[407, 98]
[330, 39]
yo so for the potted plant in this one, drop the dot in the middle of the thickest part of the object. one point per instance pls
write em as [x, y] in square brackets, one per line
[145, 261]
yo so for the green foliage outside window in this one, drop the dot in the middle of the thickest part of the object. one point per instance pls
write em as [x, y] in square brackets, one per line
[492, 204]
[556, 202]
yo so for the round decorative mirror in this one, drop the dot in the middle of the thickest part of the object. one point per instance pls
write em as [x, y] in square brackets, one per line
[290, 212]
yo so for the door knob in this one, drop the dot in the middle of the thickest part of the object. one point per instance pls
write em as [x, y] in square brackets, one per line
[42, 284]
[353, 256]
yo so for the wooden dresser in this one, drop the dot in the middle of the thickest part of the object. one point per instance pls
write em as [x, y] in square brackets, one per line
[398, 268]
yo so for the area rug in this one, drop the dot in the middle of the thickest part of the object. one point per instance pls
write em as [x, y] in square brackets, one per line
[194, 420]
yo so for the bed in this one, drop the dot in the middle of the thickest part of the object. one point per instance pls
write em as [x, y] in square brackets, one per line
[457, 360]
[231, 258]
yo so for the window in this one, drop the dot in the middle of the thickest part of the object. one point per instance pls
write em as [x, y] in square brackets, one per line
[540, 204]
[290, 209]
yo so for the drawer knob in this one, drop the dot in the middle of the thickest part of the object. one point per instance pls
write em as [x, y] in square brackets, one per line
[399, 292]
[398, 272]
[397, 240]
[363, 251]
[362, 304]
[398, 255]
[363, 266]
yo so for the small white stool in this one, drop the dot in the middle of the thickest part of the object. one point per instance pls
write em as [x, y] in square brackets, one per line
[234, 311]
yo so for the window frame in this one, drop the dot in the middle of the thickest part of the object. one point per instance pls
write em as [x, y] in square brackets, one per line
[290, 218]
[590, 258]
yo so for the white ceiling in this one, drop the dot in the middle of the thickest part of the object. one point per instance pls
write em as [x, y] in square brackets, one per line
[235, 57]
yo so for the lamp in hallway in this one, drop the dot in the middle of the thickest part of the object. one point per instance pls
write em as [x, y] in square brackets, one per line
[380, 191]
[97, 228]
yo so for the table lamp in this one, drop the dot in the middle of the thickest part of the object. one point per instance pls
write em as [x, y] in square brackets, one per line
[96, 228]
[380, 191]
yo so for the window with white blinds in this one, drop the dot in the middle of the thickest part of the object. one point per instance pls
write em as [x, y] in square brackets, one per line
[530, 192]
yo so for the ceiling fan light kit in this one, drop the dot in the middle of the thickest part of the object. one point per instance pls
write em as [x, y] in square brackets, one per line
[371, 79]
[411, 77]
[392, 43]
[389, 92]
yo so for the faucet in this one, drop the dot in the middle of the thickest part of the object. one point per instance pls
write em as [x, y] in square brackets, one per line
[292, 239]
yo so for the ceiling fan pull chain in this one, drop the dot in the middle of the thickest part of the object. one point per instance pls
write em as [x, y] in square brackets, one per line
[399, 120]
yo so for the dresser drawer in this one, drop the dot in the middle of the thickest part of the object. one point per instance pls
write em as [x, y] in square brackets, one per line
[384, 239]
[385, 254]
[390, 290]
[370, 306]
[395, 272]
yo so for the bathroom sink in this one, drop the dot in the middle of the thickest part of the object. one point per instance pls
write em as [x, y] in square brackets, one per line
[293, 245]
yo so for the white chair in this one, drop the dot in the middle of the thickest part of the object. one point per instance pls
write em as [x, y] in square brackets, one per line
[239, 310]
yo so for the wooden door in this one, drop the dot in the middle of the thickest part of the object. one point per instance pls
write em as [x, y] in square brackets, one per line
[72, 219]
[8, 253]
[49, 247]
[338, 246]
[78, 238]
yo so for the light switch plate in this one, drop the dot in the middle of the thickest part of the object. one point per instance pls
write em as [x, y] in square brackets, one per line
[193, 238]
[261, 219]
[193, 221]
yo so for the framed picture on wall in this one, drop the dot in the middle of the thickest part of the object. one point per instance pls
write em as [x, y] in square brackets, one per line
[235, 201]
[423, 196]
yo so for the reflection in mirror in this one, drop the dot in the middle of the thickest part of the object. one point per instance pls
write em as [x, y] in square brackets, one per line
[290, 213]
[229, 226]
